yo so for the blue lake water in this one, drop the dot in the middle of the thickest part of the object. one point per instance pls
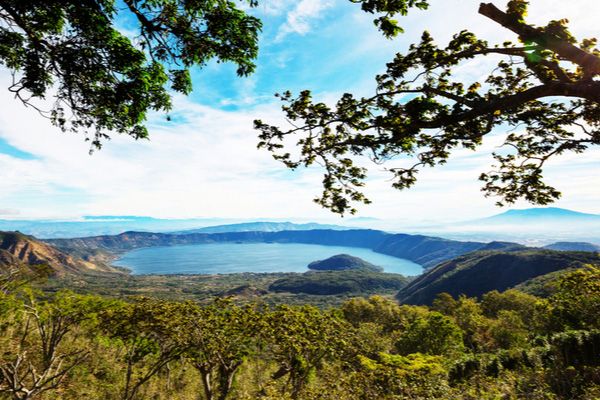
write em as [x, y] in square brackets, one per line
[228, 258]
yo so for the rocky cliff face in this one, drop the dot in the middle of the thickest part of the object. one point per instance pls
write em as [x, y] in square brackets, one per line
[17, 248]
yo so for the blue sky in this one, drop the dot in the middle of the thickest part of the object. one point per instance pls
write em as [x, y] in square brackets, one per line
[12, 151]
[204, 163]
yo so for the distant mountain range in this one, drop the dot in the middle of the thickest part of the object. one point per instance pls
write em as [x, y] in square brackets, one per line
[540, 215]
[115, 224]
[532, 226]
[263, 226]
[102, 225]
[543, 224]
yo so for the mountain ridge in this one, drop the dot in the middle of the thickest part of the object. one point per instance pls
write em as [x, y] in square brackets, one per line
[539, 213]
[476, 273]
[17, 249]
[262, 226]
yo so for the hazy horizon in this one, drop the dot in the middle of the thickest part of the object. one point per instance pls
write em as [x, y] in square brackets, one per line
[533, 226]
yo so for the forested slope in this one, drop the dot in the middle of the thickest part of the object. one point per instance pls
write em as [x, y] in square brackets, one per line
[476, 273]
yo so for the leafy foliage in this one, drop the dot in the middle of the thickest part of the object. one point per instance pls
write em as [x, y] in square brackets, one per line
[576, 304]
[301, 339]
[546, 83]
[104, 82]
[67, 345]
[386, 24]
[147, 331]
[220, 337]
[433, 334]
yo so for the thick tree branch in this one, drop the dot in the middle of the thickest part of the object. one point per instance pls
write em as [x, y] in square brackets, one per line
[589, 91]
[589, 62]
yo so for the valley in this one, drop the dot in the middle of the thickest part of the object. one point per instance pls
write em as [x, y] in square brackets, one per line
[271, 266]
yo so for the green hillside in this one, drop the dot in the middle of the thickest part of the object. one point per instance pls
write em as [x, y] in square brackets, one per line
[341, 262]
[477, 273]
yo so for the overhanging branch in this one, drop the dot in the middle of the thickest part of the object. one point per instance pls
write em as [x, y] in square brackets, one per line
[589, 62]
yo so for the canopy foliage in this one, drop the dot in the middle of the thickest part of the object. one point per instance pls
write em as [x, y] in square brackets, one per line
[103, 81]
[545, 88]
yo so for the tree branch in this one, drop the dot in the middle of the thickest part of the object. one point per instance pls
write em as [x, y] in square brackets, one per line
[589, 62]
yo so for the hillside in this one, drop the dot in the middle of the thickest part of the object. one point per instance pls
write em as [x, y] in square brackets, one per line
[343, 262]
[425, 250]
[134, 240]
[573, 246]
[19, 249]
[477, 273]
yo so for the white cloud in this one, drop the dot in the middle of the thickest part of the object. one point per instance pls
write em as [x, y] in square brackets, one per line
[9, 212]
[207, 165]
[300, 18]
[274, 7]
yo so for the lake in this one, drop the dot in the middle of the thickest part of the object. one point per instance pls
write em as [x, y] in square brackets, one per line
[229, 258]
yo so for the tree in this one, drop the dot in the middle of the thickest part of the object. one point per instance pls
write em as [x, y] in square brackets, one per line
[392, 376]
[149, 331]
[376, 309]
[474, 325]
[576, 303]
[493, 302]
[444, 303]
[15, 276]
[219, 338]
[104, 82]
[37, 354]
[300, 339]
[545, 87]
[434, 334]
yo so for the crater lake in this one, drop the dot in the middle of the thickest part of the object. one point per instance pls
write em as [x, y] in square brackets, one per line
[229, 258]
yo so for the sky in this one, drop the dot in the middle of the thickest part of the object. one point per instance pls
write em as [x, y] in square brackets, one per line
[204, 162]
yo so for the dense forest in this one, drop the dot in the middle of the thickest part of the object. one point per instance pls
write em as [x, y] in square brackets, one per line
[509, 345]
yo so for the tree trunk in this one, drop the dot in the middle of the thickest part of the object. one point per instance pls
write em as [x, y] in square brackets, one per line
[206, 382]
[226, 378]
